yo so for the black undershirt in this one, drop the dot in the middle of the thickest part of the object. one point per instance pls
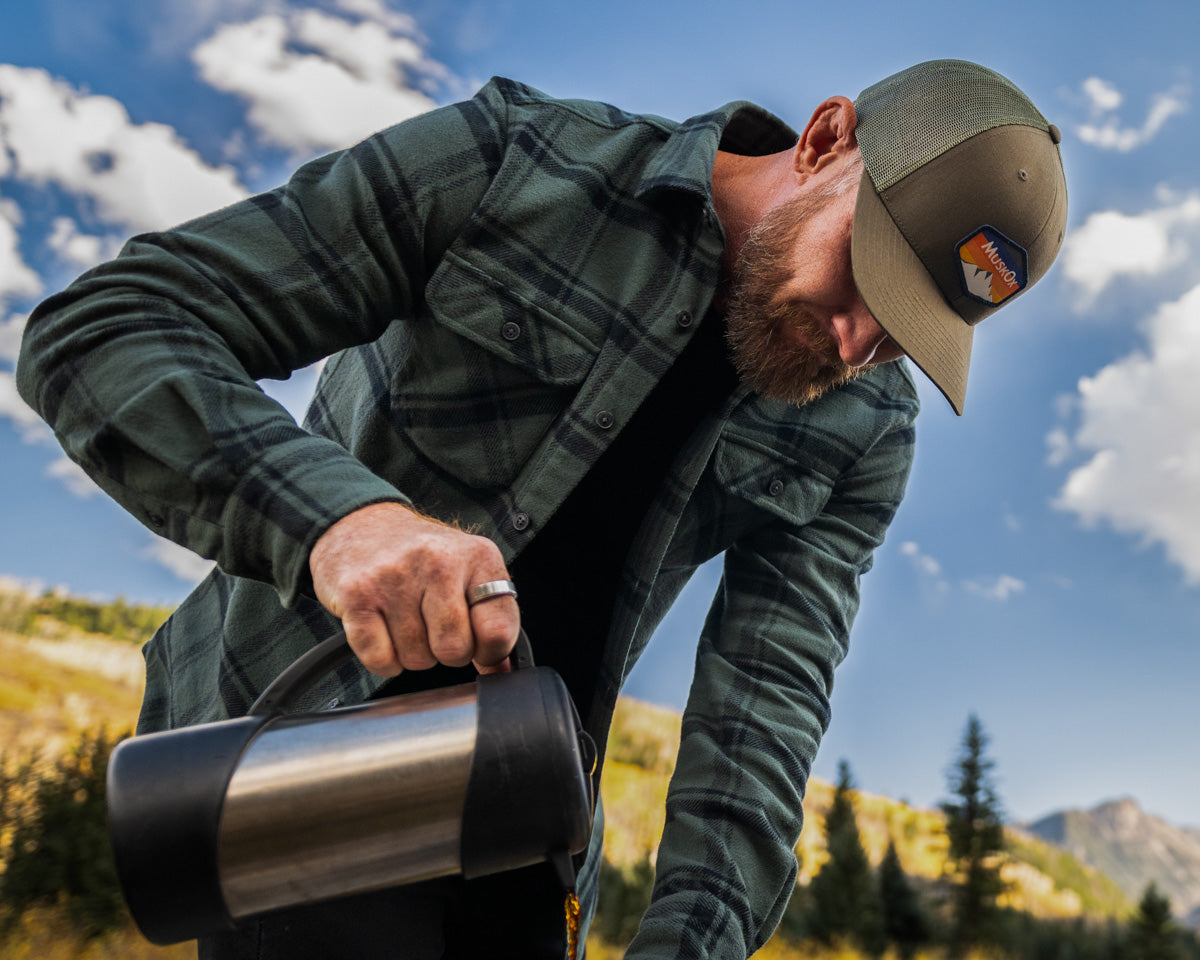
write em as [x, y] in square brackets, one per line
[569, 576]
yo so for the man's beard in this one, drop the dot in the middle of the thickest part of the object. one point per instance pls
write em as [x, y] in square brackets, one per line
[757, 326]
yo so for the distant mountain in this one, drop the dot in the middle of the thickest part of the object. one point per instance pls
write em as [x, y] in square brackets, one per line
[1132, 847]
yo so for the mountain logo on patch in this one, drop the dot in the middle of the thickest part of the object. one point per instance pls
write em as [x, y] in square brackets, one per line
[993, 267]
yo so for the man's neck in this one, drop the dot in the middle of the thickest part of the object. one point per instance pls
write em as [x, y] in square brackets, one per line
[745, 189]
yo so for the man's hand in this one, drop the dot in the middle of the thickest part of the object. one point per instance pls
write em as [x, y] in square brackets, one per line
[398, 582]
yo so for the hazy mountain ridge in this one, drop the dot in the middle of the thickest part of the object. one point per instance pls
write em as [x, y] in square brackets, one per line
[1132, 847]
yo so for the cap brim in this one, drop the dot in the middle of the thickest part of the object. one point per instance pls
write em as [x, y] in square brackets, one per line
[905, 300]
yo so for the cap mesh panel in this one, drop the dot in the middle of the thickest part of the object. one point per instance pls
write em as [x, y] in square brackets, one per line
[913, 116]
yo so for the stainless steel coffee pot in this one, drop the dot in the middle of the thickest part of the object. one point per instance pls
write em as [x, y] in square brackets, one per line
[219, 822]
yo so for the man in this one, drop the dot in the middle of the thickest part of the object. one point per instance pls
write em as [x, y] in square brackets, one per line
[585, 352]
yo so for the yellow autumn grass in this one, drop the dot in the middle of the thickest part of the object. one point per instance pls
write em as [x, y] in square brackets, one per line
[48, 696]
[52, 689]
[779, 949]
[43, 933]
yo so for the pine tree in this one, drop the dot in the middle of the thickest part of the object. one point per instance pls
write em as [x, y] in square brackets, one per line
[843, 895]
[904, 922]
[1152, 935]
[974, 825]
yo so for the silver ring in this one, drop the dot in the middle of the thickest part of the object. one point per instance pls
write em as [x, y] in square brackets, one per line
[493, 588]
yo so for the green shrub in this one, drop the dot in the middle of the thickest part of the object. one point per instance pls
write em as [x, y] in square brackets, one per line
[624, 896]
[59, 852]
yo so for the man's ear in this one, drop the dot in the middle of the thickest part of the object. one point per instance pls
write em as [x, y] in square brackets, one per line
[828, 136]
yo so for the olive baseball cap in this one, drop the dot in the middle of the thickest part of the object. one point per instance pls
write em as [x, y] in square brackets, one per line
[962, 206]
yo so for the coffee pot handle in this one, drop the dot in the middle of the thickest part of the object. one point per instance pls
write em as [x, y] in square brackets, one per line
[312, 665]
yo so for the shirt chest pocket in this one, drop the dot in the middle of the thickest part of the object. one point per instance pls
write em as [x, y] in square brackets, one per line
[763, 484]
[487, 372]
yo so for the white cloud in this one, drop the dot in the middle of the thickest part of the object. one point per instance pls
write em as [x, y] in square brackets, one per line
[995, 588]
[1102, 94]
[1106, 132]
[137, 176]
[31, 587]
[177, 27]
[81, 249]
[27, 423]
[1058, 447]
[187, 566]
[1110, 244]
[927, 567]
[73, 478]
[925, 564]
[378, 12]
[16, 278]
[1139, 418]
[313, 81]
[10, 337]
[992, 588]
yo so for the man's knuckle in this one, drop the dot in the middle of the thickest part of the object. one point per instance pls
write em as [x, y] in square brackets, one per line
[494, 637]
[442, 566]
[356, 596]
[457, 655]
[378, 659]
[486, 550]
[413, 659]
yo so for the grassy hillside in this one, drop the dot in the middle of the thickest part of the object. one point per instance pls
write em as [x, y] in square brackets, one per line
[58, 680]
[1044, 881]
[50, 689]
[62, 671]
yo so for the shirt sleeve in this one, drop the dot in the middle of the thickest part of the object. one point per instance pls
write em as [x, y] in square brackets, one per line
[758, 707]
[146, 366]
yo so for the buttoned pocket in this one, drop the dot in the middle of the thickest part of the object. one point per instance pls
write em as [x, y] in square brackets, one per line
[506, 319]
[771, 482]
[486, 373]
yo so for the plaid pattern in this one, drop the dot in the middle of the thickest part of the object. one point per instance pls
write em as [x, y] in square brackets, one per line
[488, 279]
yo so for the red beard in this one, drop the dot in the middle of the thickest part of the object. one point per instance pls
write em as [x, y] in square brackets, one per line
[779, 348]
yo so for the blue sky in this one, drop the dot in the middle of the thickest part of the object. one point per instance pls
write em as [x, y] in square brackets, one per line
[1044, 571]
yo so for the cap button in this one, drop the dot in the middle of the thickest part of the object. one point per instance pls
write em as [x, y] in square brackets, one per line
[1055, 134]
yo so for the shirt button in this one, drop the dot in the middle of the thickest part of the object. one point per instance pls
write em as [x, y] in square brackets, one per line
[520, 521]
[776, 487]
[683, 319]
[605, 420]
[510, 331]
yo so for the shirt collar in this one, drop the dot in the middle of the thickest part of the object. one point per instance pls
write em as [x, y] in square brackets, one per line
[686, 160]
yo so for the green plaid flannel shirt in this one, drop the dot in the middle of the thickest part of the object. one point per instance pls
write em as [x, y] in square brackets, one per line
[487, 279]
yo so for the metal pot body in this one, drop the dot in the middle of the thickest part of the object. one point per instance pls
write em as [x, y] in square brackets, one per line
[361, 798]
[216, 823]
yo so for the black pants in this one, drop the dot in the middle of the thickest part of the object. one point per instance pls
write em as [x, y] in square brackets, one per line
[516, 915]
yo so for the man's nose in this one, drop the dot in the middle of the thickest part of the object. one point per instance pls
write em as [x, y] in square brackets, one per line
[858, 336]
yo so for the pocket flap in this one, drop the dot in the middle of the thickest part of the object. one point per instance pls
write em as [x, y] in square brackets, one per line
[508, 323]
